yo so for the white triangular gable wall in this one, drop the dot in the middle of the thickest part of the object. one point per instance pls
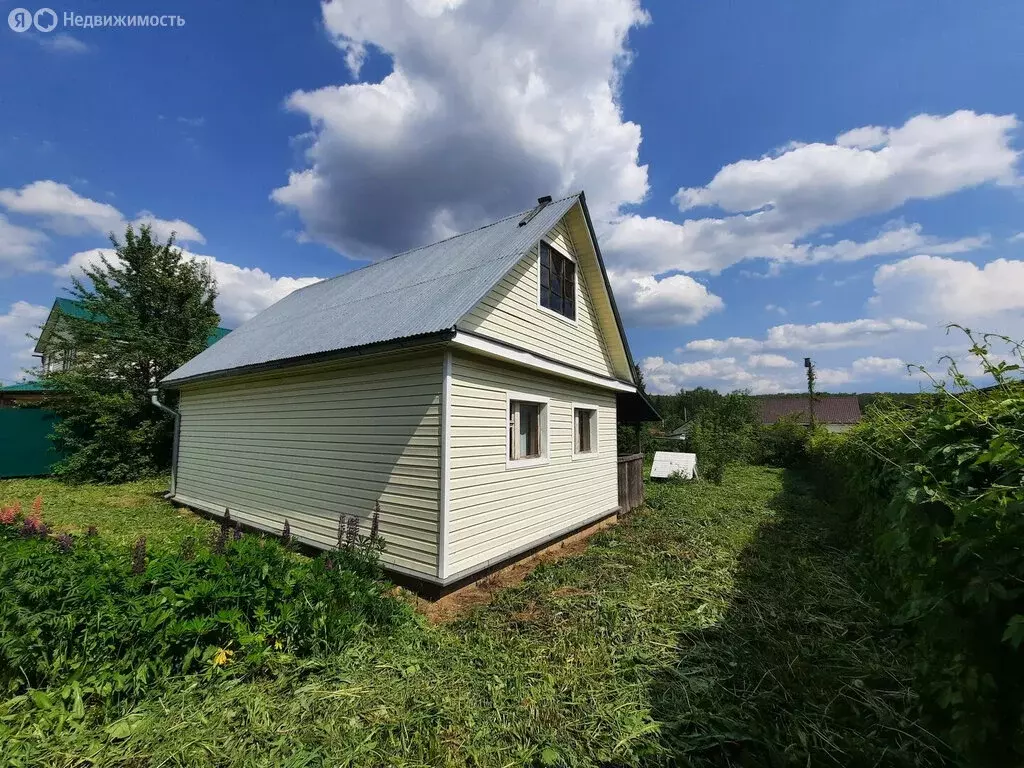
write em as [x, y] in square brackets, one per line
[511, 311]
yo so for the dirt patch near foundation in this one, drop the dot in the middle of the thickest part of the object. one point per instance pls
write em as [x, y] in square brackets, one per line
[481, 591]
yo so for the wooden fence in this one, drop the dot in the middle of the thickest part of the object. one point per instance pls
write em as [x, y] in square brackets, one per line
[631, 482]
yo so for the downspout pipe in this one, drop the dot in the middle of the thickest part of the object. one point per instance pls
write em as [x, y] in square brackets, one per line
[154, 396]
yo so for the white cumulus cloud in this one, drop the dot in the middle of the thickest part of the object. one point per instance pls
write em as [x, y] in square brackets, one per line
[827, 335]
[20, 248]
[868, 170]
[949, 290]
[722, 373]
[242, 291]
[770, 361]
[878, 366]
[673, 300]
[21, 318]
[762, 374]
[483, 111]
[771, 208]
[66, 212]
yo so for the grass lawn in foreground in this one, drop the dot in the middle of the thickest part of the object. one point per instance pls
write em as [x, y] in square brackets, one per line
[121, 513]
[719, 626]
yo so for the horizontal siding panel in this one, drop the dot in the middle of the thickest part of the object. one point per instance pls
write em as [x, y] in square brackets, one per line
[307, 506]
[495, 509]
[396, 535]
[511, 313]
[301, 430]
[314, 443]
[366, 420]
[388, 371]
[323, 477]
[318, 403]
[227, 436]
[320, 450]
[302, 458]
[312, 532]
[311, 494]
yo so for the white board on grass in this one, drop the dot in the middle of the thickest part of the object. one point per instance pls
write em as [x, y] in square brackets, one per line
[667, 464]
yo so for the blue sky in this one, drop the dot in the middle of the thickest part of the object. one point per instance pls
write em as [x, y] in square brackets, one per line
[769, 180]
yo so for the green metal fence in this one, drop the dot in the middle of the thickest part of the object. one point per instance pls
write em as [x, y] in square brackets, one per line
[25, 447]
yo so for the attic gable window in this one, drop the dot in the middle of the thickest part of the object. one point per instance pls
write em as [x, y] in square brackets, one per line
[557, 282]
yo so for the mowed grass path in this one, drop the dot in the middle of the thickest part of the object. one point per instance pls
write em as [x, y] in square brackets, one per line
[719, 626]
[121, 513]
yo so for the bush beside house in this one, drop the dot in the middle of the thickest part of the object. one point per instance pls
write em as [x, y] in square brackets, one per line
[91, 621]
[938, 492]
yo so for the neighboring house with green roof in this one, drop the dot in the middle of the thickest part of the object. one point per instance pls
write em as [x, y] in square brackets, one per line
[57, 356]
[23, 393]
[32, 454]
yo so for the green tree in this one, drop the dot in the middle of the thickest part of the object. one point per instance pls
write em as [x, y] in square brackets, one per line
[724, 433]
[147, 311]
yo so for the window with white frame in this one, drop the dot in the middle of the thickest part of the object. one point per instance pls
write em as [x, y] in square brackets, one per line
[584, 419]
[527, 427]
[557, 282]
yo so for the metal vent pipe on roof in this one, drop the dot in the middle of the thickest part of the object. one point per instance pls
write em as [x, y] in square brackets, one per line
[541, 202]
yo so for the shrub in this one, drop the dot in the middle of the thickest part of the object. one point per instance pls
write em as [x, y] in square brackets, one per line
[939, 488]
[723, 434]
[81, 615]
[783, 444]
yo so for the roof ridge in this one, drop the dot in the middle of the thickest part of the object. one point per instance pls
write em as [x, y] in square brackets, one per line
[436, 242]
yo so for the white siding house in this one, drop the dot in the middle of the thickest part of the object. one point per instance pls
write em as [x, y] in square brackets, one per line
[311, 443]
[468, 390]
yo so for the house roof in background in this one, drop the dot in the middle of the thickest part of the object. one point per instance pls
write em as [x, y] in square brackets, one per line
[24, 387]
[72, 308]
[683, 430]
[415, 294]
[828, 409]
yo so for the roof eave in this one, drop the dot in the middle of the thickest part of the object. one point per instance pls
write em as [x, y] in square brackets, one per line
[381, 347]
[46, 329]
[607, 288]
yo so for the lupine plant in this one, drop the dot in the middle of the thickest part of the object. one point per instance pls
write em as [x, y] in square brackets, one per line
[106, 621]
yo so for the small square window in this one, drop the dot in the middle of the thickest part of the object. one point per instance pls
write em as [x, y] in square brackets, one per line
[584, 430]
[526, 425]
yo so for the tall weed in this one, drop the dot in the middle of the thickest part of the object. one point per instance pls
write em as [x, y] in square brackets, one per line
[92, 620]
[939, 489]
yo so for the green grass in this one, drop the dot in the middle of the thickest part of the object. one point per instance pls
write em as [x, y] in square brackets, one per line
[720, 626]
[121, 513]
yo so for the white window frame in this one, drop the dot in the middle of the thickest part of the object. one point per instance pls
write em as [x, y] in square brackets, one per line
[573, 321]
[595, 432]
[544, 420]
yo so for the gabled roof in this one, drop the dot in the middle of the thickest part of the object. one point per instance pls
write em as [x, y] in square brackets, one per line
[72, 308]
[828, 409]
[411, 297]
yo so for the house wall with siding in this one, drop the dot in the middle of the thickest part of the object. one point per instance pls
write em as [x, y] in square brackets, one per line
[495, 509]
[310, 444]
[511, 313]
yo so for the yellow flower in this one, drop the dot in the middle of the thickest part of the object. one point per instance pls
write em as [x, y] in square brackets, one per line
[222, 657]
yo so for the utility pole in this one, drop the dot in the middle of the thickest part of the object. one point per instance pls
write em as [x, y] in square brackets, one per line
[809, 365]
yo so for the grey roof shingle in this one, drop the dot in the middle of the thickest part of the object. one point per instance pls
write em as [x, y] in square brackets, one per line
[418, 292]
